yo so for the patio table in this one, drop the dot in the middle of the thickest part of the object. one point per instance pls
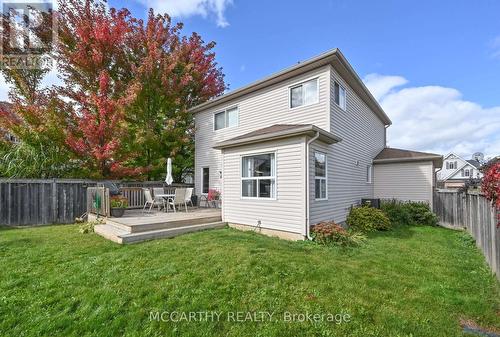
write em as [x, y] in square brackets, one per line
[166, 197]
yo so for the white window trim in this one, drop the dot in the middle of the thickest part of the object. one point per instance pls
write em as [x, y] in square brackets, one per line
[369, 177]
[345, 99]
[321, 178]
[259, 178]
[225, 116]
[298, 84]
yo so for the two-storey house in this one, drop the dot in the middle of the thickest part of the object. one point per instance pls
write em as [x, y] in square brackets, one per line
[456, 171]
[299, 147]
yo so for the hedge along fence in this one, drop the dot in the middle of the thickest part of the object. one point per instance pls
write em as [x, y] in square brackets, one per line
[474, 213]
[28, 202]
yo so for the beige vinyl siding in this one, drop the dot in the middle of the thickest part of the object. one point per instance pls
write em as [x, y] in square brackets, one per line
[260, 109]
[287, 212]
[363, 137]
[404, 181]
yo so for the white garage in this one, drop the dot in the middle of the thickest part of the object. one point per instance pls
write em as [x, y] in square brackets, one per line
[405, 175]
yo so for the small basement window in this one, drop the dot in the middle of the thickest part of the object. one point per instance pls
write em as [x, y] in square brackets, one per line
[258, 176]
[304, 94]
[320, 177]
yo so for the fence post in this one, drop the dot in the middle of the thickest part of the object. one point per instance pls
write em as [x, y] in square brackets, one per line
[54, 201]
[9, 203]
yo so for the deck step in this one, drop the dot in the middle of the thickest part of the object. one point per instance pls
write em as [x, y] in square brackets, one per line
[141, 228]
[110, 232]
[118, 235]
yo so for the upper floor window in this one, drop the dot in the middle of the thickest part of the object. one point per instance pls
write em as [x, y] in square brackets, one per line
[339, 95]
[226, 118]
[320, 176]
[304, 94]
[451, 165]
[258, 176]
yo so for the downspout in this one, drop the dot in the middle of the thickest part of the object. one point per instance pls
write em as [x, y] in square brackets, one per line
[308, 234]
[385, 135]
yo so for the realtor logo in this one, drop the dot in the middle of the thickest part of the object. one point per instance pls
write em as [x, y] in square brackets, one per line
[28, 35]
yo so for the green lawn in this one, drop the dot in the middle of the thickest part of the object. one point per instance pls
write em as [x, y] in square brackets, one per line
[411, 281]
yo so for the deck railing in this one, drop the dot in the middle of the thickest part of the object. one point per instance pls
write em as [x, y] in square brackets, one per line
[134, 193]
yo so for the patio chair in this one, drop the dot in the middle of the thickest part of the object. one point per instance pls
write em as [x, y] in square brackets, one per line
[157, 191]
[189, 194]
[178, 199]
[150, 201]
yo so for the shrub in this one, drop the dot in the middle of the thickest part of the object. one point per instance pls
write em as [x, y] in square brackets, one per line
[421, 214]
[88, 227]
[409, 213]
[367, 219]
[330, 233]
[397, 212]
[118, 202]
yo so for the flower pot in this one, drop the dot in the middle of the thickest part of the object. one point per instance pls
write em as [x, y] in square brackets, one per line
[117, 212]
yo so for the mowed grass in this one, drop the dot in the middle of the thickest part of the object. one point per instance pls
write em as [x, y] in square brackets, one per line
[411, 281]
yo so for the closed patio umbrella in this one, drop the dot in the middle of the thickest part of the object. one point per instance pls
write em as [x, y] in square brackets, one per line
[169, 180]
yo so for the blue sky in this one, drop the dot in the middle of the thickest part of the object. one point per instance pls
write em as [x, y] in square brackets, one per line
[446, 43]
[433, 65]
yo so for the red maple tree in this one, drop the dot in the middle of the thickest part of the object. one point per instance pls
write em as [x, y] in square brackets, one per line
[92, 55]
[128, 86]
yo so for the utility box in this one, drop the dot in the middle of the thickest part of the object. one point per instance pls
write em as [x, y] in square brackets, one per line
[371, 202]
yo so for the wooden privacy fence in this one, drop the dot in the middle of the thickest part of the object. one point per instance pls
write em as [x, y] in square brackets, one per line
[38, 201]
[52, 201]
[474, 213]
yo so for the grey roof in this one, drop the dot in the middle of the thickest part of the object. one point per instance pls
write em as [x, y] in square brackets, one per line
[474, 163]
[333, 57]
[279, 131]
[392, 155]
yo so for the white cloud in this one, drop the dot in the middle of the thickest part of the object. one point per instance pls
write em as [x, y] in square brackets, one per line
[435, 118]
[381, 85]
[186, 8]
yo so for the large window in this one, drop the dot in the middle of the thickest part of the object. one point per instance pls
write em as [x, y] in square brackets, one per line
[304, 93]
[320, 176]
[339, 95]
[226, 118]
[258, 176]
[205, 180]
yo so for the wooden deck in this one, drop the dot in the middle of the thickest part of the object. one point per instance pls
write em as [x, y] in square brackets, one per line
[136, 226]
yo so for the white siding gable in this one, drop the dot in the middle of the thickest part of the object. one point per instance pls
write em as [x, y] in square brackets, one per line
[260, 109]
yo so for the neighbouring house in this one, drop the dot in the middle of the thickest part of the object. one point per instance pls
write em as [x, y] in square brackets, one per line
[456, 171]
[302, 146]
